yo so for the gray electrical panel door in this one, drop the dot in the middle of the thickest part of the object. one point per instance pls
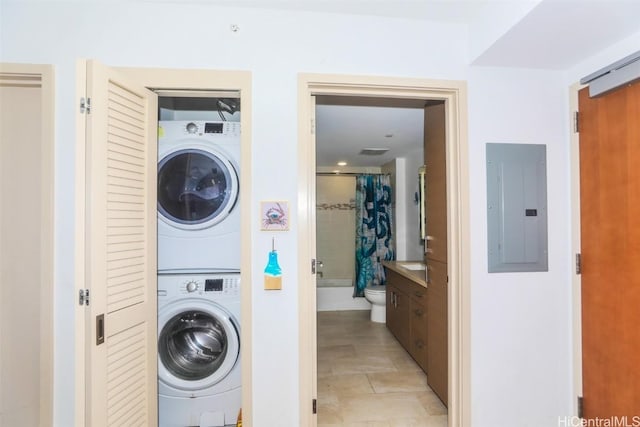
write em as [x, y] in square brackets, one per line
[517, 207]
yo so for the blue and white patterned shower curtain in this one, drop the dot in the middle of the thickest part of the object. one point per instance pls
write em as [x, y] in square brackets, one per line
[374, 237]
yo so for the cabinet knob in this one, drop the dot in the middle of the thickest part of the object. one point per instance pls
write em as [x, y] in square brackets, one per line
[419, 312]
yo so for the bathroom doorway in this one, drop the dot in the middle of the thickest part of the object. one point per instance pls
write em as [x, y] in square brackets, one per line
[373, 137]
[454, 96]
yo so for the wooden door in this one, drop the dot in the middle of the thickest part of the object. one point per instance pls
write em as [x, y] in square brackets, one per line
[120, 251]
[610, 236]
[435, 160]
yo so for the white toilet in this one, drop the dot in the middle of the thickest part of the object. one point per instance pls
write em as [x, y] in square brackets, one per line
[377, 296]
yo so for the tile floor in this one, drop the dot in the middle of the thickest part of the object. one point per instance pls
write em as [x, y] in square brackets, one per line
[365, 378]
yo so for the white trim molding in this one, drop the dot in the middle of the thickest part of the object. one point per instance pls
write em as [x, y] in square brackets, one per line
[454, 93]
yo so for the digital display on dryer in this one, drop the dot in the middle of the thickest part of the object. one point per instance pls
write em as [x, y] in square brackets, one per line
[213, 127]
[213, 285]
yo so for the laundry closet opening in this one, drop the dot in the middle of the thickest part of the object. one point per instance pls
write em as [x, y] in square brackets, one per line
[199, 300]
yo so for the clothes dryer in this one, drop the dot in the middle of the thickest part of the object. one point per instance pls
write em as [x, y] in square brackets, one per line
[198, 195]
[199, 382]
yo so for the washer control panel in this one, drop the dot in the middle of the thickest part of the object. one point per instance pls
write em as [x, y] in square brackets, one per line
[223, 285]
[195, 285]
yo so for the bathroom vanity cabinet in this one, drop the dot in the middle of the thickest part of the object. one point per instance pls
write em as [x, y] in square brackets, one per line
[407, 311]
[417, 317]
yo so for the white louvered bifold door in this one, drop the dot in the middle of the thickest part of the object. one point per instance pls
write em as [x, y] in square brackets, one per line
[121, 250]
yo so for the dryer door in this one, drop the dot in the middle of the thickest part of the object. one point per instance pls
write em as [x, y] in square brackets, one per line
[198, 344]
[196, 188]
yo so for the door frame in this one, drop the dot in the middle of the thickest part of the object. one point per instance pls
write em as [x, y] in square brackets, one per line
[576, 279]
[182, 79]
[454, 93]
[42, 75]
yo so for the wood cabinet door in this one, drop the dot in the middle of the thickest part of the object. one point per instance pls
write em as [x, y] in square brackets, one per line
[419, 343]
[437, 330]
[398, 305]
[435, 199]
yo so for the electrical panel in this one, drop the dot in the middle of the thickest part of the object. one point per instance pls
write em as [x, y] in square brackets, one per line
[517, 207]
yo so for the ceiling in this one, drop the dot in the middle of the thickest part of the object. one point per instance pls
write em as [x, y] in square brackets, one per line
[453, 11]
[347, 125]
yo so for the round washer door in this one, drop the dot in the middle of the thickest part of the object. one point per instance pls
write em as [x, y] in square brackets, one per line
[197, 188]
[198, 344]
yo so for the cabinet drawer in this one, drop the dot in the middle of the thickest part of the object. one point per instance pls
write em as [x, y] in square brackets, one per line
[417, 292]
[418, 345]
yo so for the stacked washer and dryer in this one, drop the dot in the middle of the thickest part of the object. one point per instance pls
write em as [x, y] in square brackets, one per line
[198, 273]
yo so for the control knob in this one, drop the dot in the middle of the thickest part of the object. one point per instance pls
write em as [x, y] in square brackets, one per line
[192, 286]
[192, 127]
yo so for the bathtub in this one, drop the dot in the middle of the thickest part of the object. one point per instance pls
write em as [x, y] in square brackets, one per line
[337, 294]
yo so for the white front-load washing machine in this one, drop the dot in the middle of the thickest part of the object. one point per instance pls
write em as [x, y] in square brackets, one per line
[198, 196]
[199, 381]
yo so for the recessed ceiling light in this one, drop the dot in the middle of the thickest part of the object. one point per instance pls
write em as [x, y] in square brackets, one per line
[342, 163]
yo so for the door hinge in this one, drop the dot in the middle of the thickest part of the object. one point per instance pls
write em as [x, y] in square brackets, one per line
[83, 297]
[313, 127]
[578, 264]
[313, 266]
[576, 122]
[580, 407]
[315, 406]
[85, 105]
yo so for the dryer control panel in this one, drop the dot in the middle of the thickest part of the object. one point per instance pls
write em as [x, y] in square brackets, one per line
[210, 128]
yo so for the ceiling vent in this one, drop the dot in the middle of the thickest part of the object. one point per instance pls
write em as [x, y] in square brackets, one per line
[373, 151]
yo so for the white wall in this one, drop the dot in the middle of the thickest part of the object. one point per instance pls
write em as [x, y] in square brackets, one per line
[275, 46]
[521, 334]
[494, 20]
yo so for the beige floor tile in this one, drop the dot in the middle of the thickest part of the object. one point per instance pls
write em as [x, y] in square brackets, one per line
[324, 368]
[366, 379]
[403, 362]
[362, 365]
[336, 351]
[396, 382]
[345, 385]
[432, 403]
[329, 414]
[419, 422]
[380, 407]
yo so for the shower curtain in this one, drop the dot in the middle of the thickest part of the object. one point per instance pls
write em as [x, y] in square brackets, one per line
[374, 238]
